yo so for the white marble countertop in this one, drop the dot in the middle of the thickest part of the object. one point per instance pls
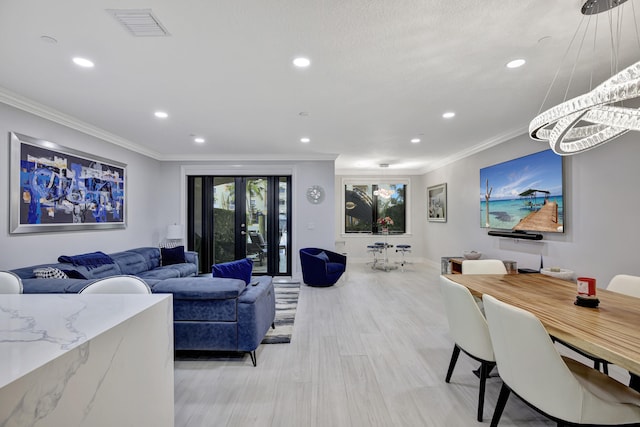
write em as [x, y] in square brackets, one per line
[37, 328]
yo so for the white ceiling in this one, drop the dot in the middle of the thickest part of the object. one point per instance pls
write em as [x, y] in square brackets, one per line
[382, 73]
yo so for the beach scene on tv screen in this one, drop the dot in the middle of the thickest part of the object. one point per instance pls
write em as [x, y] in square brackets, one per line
[523, 194]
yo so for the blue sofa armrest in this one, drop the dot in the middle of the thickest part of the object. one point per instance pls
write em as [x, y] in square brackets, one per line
[256, 312]
[192, 257]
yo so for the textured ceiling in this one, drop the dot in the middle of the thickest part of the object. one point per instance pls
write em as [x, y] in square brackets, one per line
[382, 73]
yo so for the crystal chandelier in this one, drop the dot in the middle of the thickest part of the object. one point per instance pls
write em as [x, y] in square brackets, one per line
[588, 120]
[383, 192]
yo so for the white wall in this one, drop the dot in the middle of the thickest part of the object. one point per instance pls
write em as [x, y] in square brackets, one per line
[355, 245]
[142, 227]
[601, 207]
[311, 224]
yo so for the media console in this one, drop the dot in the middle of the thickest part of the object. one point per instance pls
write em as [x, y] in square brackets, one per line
[516, 235]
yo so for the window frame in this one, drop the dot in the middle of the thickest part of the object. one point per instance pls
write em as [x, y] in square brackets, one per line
[371, 181]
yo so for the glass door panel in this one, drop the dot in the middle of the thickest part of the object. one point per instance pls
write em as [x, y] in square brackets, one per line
[283, 230]
[257, 219]
[224, 224]
[197, 225]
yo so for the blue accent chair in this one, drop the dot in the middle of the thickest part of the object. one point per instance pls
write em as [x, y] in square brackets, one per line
[321, 267]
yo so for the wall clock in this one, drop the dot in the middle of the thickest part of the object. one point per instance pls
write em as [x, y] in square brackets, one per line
[315, 194]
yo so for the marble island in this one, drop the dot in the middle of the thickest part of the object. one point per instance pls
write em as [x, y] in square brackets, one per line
[86, 360]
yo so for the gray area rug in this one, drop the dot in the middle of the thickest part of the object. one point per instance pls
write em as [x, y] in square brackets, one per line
[286, 304]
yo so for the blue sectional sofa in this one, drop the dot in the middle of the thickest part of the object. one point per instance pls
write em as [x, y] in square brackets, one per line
[209, 313]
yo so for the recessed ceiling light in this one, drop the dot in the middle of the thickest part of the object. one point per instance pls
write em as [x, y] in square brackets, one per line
[305, 140]
[449, 114]
[301, 62]
[516, 63]
[161, 114]
[415, 140]
[199, 140]
[83, 62]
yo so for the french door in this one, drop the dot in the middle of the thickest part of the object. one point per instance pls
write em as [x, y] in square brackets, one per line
[235, 217]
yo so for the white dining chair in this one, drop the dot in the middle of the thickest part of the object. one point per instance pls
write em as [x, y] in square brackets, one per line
[625, 284]
[468, 328]
[117, 285]
[560, 388]
[483, 266]
[10, 283]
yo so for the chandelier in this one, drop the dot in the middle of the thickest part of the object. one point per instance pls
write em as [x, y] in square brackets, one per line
[383, 192]
[597, 117]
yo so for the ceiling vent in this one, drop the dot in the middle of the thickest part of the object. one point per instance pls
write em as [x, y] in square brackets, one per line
[139, 22]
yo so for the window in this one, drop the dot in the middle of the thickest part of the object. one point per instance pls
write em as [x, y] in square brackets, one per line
[367, 202]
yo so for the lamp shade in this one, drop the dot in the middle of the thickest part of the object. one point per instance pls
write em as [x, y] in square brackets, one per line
[174, 232]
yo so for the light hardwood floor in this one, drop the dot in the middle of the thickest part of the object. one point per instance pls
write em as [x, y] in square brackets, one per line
[372, 350]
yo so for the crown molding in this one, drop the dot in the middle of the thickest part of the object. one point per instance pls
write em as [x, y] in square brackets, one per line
[25, 104]
[216, 157]
[22, 103]
[499, 139]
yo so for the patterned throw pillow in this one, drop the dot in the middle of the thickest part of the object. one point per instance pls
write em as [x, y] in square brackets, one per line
[49, 273]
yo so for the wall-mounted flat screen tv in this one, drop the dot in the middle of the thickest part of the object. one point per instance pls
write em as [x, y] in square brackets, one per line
[524, 194]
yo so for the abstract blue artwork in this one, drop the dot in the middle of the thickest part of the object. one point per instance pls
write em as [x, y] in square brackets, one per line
[55, 188]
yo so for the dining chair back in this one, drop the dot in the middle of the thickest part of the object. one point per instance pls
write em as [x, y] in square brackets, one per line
[625, 284]
[470, 333]
[561, 388]
[483, 266]
[622, 284]
[117, 285]
[10, 283]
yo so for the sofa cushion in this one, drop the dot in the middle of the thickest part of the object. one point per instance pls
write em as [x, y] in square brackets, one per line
[130, 262]
[160, 273]
[52, 286]
[190, 288]
[171, 256]
[240, 269]
[186, 269]
[150, 254]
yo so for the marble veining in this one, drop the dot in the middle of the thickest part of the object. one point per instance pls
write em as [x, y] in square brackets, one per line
[80, 360]
[24, 329]
[35, 328]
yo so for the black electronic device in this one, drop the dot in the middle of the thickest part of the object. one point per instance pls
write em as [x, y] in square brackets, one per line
[515, 234]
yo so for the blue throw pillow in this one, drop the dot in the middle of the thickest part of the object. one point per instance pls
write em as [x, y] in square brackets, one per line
[172, 255]
[240, 269]
[323, 256]
[74, 274]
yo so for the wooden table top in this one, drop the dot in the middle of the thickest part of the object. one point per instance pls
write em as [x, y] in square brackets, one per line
[611, 331]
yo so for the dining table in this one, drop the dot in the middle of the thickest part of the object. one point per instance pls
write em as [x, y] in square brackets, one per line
[611, 331]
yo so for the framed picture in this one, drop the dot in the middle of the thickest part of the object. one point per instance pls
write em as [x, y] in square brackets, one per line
[437, 203]
[55, 188]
